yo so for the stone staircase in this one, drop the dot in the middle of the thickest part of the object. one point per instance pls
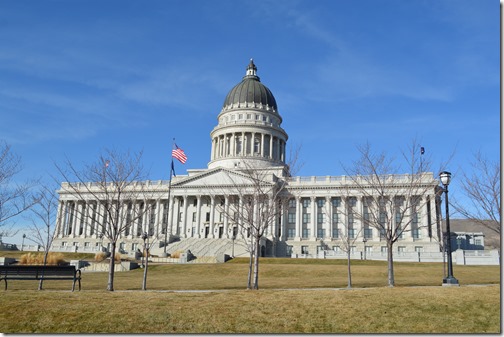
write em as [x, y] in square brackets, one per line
[205, 247]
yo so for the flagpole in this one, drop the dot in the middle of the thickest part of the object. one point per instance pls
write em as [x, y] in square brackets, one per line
[168, 208]
[421, 159]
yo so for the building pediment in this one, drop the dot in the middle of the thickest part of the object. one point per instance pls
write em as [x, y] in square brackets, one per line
[218, 177]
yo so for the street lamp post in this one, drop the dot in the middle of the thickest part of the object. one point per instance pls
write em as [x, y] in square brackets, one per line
[22, 244]
[450, 280]
[145, 238]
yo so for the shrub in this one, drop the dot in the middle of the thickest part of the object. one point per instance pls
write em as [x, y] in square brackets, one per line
[38, 258]
[176, 254]
[100, 256]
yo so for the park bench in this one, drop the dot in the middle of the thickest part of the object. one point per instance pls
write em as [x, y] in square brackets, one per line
[39, 272]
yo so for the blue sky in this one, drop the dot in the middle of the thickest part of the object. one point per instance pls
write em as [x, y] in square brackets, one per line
[80, 76]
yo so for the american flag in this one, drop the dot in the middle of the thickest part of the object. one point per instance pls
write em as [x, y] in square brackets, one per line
[179, 154]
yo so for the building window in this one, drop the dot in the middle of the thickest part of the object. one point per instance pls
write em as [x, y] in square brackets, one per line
[419, 249]
[352, 201]
[320, 218]
[292, 203]
[336, 202]
[238, 146]
[289, 250]
[291, 233]
[207, 218]
[368, 233]
[321, 233]
[320, 203]
[194, 217]
[291, 218]
[415, 233]
[335, 232]
[350, 219]
[304, 250]
[335, 218]
[306, 218]
[401, 249]
[306, 233]
[351, 233]
[257, 146]
[306, 203]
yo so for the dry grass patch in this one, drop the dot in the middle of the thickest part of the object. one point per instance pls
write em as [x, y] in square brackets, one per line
[376, 310]
[38, 258]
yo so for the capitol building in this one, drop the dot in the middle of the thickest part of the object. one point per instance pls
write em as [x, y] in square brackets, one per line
[192, 211]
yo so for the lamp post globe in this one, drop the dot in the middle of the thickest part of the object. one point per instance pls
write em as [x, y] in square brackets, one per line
[450, 280]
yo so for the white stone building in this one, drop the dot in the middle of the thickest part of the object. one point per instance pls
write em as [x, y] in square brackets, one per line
[248, 134]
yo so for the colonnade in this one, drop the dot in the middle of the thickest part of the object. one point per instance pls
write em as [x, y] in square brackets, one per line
[248, 144]
[209, 216]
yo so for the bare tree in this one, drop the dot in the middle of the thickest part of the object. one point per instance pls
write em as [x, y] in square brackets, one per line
[113, 185]
[43, 221]
[482, 189]
[254, 205]
[15, 198]
[391, 201]
[348, 238]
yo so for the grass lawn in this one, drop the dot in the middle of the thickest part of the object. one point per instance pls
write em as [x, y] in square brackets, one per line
[418, 304]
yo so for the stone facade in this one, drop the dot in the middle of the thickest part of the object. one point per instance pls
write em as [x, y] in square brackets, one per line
[314, 214]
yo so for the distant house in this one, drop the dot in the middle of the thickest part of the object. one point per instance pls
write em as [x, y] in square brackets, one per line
[467, 241]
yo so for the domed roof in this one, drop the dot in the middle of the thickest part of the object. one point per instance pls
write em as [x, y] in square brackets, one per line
[250, 90]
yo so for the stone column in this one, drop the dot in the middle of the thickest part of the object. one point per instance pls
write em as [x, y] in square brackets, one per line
[358, 223]
[328, 214]
[343, 211]
[184, 218]
[59, 217]
[198, 217]
[283, 220]
[226, 217]
[299, 219]
[313, 229]
[212, 216]
[158, 224]
[271, 147]
[261, 150]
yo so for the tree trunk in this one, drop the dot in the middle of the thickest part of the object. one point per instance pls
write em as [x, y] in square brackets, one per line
[110, 285]
[251, 257]
[349, 269]
[256, 264]
[45, 262]
[144, 284]
[390, 260]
